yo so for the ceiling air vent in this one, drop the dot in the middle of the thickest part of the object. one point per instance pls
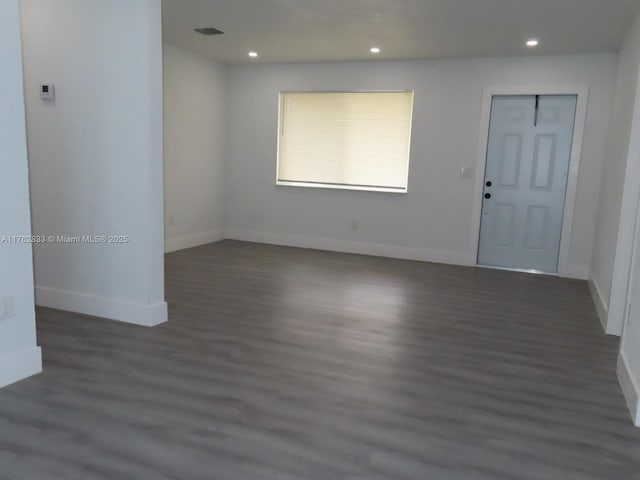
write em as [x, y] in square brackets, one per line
[209, 31]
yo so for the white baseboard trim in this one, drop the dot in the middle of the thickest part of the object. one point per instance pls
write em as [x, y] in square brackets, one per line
[110, 308]
[630, 389]
[190, 241]
[359, 248]
[577, 272]
[598, 300]
[16, 366]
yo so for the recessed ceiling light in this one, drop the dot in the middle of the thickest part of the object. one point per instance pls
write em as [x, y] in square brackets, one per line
[208, 31]
[532, 43]
[253, 54]
[375, 50]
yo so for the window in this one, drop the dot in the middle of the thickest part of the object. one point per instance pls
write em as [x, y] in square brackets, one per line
[345, 140]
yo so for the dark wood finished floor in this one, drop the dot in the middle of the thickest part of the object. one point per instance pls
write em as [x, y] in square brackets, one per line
[287, 364]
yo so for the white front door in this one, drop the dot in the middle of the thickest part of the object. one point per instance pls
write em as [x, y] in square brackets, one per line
[528, 159]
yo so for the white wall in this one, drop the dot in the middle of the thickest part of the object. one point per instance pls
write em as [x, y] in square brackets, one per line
[194, 165]
[624, 308]
[613, 175]
[19, 355]
[433, 222]
[96, 154]
[629, 362]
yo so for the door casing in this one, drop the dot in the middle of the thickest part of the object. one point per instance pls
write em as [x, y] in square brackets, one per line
[565, 269]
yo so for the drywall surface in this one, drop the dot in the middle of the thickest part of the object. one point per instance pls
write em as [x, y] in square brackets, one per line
[629, 364]
[194, 136]
[19, 355]
[96, 155]
[615, 162]
[433, 221]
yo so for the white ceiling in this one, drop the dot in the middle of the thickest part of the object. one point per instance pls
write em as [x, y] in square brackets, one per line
[333, 30]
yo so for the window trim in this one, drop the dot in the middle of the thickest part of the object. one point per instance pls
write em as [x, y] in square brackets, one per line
[341, 186]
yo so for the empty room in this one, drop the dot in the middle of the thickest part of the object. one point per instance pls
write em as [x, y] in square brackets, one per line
[303, 240]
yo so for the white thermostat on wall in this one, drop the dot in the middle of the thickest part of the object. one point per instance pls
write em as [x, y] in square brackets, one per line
[47, 92]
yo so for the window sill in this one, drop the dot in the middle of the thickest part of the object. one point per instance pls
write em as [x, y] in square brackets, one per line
[335, 186]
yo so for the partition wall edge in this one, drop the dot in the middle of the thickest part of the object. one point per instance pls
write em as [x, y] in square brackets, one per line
[616, 310]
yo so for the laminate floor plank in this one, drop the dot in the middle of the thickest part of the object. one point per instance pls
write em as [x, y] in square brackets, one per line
[290, 364]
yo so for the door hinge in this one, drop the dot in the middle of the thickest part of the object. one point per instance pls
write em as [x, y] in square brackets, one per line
[535, 118]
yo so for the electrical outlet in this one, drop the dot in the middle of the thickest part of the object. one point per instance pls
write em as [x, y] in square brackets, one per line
[6, 308]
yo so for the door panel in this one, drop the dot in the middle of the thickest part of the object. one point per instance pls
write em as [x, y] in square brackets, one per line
[510, 161]
[505, 227]
[537, 227]
[528, 159]
[544, 163]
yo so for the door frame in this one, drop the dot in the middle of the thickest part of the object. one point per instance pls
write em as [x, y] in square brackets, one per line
[565, 269]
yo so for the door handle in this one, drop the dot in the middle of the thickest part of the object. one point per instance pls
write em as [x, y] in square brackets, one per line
[487, 196]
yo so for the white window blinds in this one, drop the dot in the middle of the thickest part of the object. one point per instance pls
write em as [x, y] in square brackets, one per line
[345, 140]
